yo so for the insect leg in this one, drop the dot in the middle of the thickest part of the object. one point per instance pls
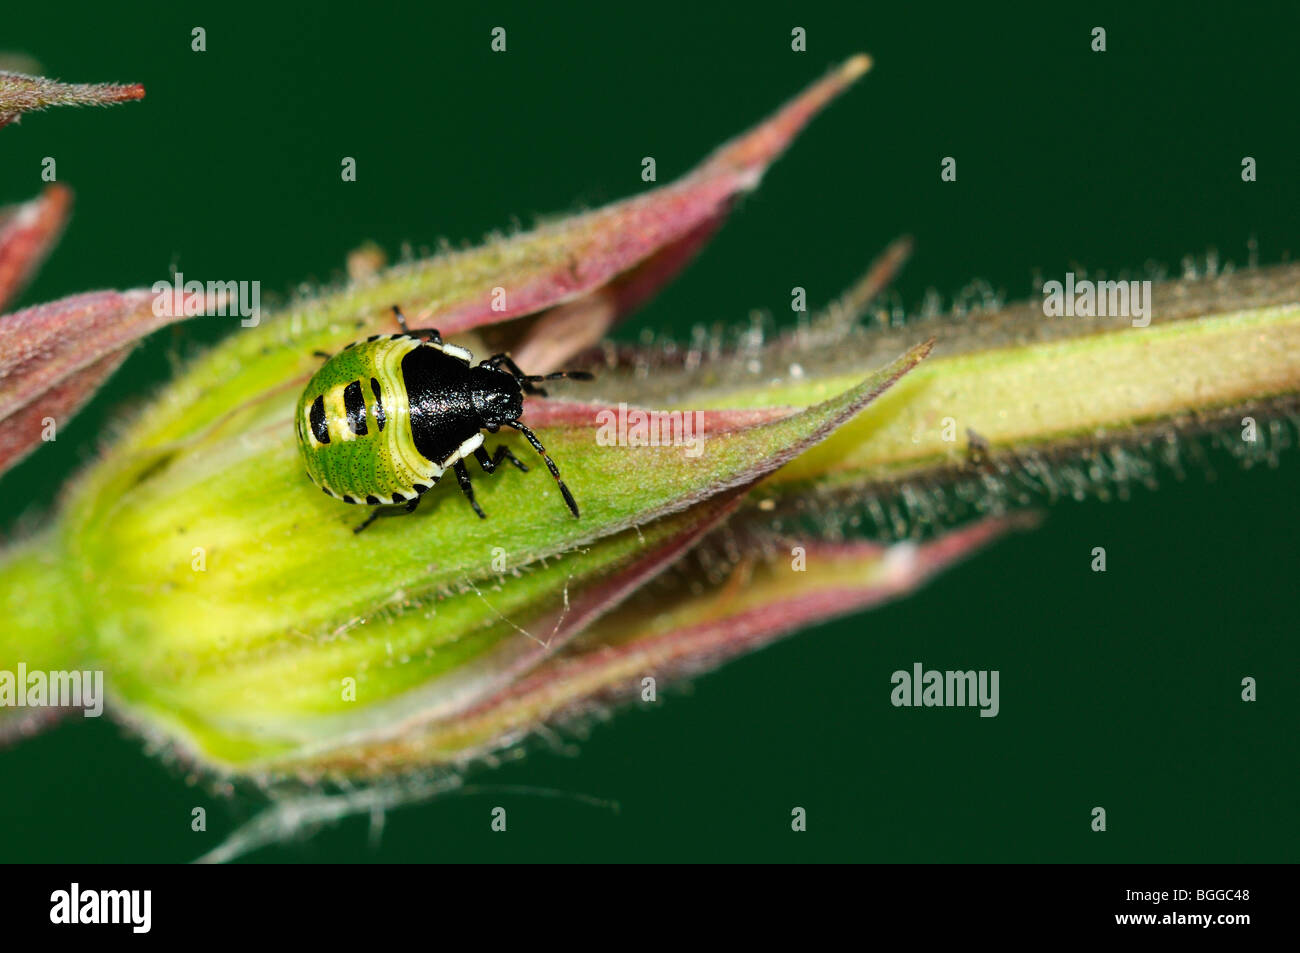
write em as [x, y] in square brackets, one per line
[550, 464]
[489, 464]
[434, 334]
[323, 355]
[379, 511]
[468, 488]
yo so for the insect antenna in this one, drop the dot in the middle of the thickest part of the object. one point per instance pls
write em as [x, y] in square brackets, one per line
[550, 464]
[559, 375]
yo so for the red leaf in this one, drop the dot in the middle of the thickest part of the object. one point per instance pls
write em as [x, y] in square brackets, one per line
[25, 427]
[54, 356]
[27, 233]
[658, 231]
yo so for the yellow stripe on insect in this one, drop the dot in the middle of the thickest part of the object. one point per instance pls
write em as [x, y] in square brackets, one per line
[336, 415]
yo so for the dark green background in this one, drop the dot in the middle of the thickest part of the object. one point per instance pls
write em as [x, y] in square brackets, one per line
[1119, 690]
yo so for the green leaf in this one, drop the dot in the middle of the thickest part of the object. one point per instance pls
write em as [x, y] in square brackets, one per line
[1011, 390]
[670, 632]
[226, 590]
[662, 634]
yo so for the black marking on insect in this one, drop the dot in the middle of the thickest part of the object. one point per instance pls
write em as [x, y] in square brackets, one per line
[380, 416]
[317, 415]
[355, 407]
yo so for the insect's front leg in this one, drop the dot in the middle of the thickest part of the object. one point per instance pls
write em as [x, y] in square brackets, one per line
[467, 488]
[489, 464]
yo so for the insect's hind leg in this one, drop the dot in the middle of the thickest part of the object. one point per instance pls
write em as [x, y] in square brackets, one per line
[434, 334]
[467, 488]
[379, 511]
[490, 464]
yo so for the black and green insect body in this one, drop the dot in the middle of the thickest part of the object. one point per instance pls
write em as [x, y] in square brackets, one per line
[382, 420]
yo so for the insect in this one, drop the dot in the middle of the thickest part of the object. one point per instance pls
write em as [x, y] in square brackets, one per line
[382, 420]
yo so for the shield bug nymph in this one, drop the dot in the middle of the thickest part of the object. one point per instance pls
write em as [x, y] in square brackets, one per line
[382, 420]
